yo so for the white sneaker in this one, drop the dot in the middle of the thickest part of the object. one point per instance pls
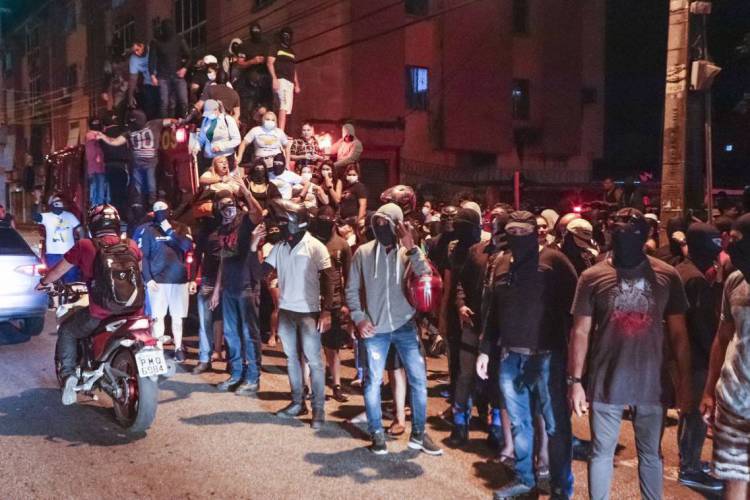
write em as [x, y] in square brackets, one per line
[69, 395]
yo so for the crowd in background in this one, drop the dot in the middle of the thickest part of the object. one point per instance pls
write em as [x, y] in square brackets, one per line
[540, 314]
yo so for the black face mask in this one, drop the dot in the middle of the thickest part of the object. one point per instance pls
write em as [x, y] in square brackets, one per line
[627, 245]
[274, 235]
[57, 210]
[322, 229]
[466, 234]
[278, 168]
[384, 235]
[256, 36]
[704, 245]
[286, 38]
[525, 249]
[160, 216]
[258, 175]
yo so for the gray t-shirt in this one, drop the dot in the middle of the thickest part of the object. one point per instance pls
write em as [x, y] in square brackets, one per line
[733, 388]
[626, 352]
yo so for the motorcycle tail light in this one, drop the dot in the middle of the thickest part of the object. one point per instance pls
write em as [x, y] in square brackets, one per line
[140, 324]
[127, 342]
[180, 135]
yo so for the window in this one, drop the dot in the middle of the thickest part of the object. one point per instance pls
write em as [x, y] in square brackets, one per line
[72, 77]
[521, 17]
[123, 36]
[417, 87]
[521, 103]
[190, 20]
[417, 7]
[34, 94]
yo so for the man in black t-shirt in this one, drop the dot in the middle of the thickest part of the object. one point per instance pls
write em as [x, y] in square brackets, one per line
[529, 294]
[281, 65]
[249, 74]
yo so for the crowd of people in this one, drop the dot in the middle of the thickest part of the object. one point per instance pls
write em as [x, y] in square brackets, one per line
[542, 315]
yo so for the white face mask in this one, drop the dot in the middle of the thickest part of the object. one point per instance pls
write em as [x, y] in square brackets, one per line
[426, 211]
[307, 176]
[269, 124]
[211, 75]
[351, 240]
[352, 179]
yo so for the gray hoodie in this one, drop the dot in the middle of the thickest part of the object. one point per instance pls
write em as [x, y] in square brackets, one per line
[376, 277]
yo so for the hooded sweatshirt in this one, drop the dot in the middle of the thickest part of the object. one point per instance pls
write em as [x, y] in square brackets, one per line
[167, 53]
[347, 152]
[375, 290]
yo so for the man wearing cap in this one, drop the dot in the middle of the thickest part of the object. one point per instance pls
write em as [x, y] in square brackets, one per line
[579, 246]
[529, 292]
[60, 234]
[219, 135]
[165, 246]
[622, 304]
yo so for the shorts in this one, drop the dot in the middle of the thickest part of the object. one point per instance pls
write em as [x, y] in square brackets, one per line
[731, 444]
[337, 336]
[169, 296]
[285, 94]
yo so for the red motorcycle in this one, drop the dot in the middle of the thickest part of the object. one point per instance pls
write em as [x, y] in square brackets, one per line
[122, 359]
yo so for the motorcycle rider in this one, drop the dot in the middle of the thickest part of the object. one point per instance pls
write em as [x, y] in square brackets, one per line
[104, 225]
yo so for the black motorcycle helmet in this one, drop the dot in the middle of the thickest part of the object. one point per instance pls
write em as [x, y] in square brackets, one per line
[447, 215]
[103, 219]
[290, 214]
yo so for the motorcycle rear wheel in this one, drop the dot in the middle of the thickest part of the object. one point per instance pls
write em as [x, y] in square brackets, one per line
[135, 409]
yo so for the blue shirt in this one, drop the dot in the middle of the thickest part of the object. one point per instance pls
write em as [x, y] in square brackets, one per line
[139, 66]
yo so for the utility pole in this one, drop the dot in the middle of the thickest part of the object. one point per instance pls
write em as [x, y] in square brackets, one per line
[675, 112]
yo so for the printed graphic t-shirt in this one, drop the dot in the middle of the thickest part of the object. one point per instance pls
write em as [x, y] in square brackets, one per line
[144, 143]
[626, 350]
[59, 230]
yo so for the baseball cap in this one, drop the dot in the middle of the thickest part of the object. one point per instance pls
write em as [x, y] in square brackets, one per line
[159, 206]
[210, 106]
[521, 219]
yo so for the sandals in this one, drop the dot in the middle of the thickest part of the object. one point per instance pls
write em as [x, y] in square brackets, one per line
[506, 460]
[396, 429]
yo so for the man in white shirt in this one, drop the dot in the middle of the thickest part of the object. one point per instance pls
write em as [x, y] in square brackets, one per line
[60, 234]
[305, 275]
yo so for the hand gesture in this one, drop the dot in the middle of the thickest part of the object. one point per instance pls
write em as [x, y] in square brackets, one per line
[403, 231]
[465, 315]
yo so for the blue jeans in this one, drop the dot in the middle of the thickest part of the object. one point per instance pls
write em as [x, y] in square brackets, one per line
[173, 96]
[301, 329]
[205, 324]
[51, 259]
[537, 381]
[98, 189]
[242, 335]
[406, 341]
[144, 181]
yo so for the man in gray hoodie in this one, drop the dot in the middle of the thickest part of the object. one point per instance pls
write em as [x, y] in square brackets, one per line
[383, 316]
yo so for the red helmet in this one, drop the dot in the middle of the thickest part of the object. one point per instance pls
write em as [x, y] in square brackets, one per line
[401, 195]
[424, 293]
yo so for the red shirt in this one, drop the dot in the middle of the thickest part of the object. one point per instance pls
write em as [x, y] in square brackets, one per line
[83, 255]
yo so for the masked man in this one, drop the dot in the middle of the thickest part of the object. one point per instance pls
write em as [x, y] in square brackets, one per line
[60, 227]
[281, 62]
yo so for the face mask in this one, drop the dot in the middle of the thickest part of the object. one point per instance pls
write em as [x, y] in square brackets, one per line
[627, 245]
[326, 173]
[295, 226]
[348, 138]
[384, 235]
[286, 38]
[258, 176]
[278, 168]
[57, 210]
[322, 229]
[704, 245]
[228, 213]
[211, 75]
[352, 179]
[256, 35]
[269, 124]
[351, 240]
[274, 236]
[525, 249]
[160, 216]
[426, 211]
[466, 233]
[307, 176]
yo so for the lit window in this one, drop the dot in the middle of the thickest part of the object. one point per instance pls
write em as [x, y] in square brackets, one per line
[417, 87]
[521, 103]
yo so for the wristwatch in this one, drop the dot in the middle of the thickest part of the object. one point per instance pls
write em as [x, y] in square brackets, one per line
[571, 380]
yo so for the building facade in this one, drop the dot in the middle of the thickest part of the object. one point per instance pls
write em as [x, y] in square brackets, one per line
[441, 92]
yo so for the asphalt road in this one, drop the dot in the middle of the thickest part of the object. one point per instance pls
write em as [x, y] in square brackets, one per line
[209, 444]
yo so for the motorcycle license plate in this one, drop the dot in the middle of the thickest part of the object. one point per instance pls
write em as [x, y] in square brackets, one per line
[151, 363]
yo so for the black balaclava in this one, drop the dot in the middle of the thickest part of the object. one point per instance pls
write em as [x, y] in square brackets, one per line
[322, 226]
[673, 225]
[256, 34]
[704, 245]
[160, 216]
[467, 227]
[258, 173]
[279, 165]
[167, 29]
[447, 219]
[629, 234]
[384, 234]
[286, 37]
[525, 249]
[136, 120]
[500, 218]
[57, 206]
[273, 235]
[739, 251]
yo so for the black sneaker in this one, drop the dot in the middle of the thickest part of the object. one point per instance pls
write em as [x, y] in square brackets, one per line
[318, 418]
[69, 395]
[513, 489]
[201, 368]
[700, 480]
[338, 394]
[459, 436]
[179, 355]
[247, 389]
[424, 443]
[293, 410]
[378, 445]
[229, 385]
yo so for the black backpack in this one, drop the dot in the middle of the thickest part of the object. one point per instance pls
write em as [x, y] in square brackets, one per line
[117, 285]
